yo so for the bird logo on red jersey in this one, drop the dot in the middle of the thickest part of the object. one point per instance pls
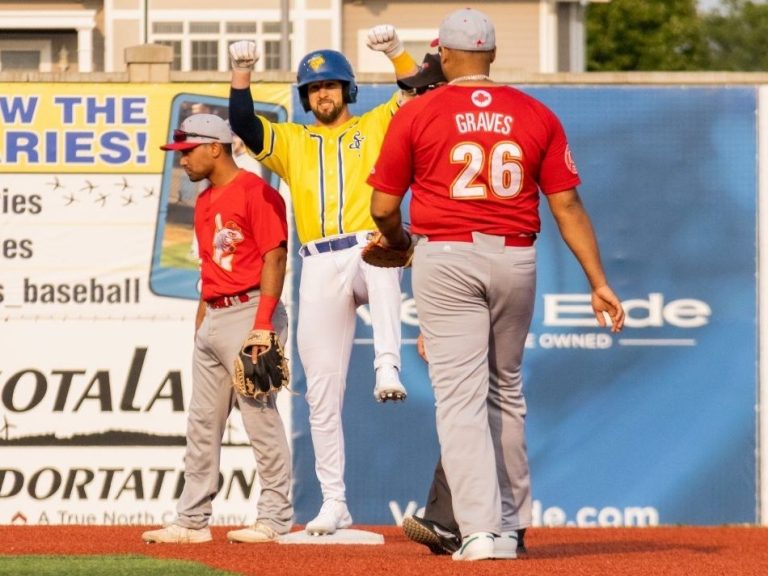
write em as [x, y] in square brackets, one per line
[225, 242]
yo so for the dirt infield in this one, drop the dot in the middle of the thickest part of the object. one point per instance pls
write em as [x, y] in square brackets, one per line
[678, 551]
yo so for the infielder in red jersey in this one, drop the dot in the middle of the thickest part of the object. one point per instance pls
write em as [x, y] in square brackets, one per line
[242, 234]
[476, 155]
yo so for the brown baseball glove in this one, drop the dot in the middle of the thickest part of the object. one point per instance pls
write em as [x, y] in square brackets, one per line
[268, 374]
[377, 253]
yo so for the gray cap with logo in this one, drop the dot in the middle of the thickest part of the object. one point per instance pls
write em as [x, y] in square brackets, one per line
[467, 29]
[200, 129]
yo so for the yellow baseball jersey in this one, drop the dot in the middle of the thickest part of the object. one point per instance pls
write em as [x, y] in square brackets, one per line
[326, 169]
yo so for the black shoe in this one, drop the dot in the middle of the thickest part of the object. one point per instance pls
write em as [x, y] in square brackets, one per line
[521, 549]
[432, 535]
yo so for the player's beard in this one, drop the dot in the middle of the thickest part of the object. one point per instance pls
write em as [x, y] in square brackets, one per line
[194, 176]
[326, 115]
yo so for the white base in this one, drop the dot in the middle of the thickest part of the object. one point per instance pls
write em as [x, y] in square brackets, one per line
[345, 536]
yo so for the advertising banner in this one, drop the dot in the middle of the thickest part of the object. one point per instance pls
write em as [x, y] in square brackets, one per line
[99, 283]
[98, 294]
[656, 425]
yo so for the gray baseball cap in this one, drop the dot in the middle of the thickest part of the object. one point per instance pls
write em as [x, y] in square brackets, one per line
[467, 29]
[200, 129]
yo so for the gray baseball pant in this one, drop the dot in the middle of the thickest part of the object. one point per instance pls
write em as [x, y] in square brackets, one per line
[475, 304]
[217, 343]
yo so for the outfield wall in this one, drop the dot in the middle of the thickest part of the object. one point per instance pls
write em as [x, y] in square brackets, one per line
[98, 288]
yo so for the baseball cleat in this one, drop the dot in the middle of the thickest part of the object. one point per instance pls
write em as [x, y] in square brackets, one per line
[333, 516]
[175, 534]
[259, 532]
[522, 550]
[477, 546]
[388, 385]
[505, 546]
[438, 539]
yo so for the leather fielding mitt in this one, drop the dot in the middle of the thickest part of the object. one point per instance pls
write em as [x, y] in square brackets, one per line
[376, 253]
[265, 376]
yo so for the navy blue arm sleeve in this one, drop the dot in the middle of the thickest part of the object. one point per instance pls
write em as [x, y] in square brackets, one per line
[243, 121]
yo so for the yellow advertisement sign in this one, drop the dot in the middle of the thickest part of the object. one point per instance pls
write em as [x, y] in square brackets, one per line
[99, 272]
[92, 128]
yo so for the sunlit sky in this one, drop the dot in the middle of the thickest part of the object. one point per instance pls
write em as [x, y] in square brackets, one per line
[707, 4]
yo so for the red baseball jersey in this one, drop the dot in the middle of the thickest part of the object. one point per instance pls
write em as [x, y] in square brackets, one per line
[475, 158]
[236, 225]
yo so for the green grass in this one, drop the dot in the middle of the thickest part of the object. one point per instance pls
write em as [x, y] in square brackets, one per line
[128, 565]
[177, 256]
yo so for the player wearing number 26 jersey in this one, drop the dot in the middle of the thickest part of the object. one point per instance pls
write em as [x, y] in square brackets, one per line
[476, 156]
[481, 157]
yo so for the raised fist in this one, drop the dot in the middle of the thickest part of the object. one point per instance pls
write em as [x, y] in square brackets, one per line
[243, 55]
[383, 38]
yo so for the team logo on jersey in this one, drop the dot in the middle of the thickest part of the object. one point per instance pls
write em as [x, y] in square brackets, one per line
[316, 62]
[225, 241]
[569, 162]
[357, 141]
[481, 98]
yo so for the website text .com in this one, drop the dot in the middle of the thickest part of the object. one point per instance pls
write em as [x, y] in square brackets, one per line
[553, 516]
[588, 516]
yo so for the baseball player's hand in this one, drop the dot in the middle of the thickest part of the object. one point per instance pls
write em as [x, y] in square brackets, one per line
[604, 301]
[420, 348]
[383, 38]
[243, 55]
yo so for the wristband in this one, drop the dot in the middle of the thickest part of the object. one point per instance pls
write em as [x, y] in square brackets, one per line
[404, 65]
[264, 312]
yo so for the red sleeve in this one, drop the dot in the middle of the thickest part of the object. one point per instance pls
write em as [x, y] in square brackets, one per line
[393, 170]
[558, 170]
[268, 216]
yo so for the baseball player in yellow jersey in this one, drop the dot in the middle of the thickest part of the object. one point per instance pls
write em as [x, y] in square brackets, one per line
[325, 166]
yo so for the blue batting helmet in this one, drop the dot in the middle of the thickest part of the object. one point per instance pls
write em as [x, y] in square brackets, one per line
[326, 65]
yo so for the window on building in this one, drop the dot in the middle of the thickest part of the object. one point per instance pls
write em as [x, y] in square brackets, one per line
[201, 45]
[19, 60]
[176, 47]
[26, 54]
[275, 27]
[204, 27]
[168, 28]
[241, 28]
[273, 38]
[272, 55]
[205, 55]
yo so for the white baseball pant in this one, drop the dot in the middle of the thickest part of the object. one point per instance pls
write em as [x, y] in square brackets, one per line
[333, 284]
